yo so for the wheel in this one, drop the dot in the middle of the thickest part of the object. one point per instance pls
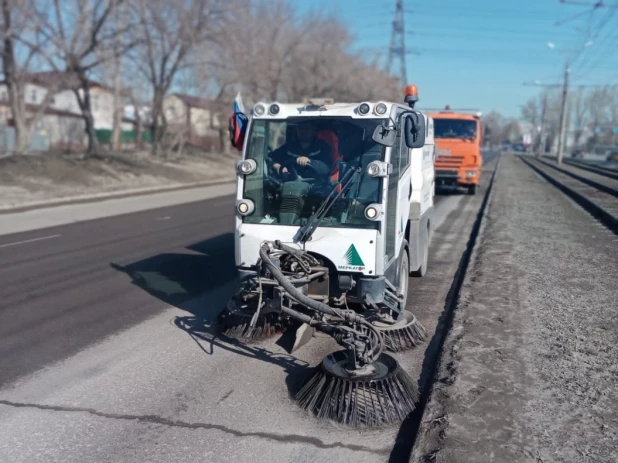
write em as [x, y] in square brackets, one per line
[423, 268]
[472, 190]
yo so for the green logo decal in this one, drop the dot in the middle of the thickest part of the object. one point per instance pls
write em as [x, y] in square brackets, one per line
[353, 258]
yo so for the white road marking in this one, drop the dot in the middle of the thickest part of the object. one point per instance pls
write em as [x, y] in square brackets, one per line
[29, 241]
[167, 217]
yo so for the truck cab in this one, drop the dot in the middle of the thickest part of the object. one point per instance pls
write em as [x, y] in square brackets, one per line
[458, 137]
[375, 228]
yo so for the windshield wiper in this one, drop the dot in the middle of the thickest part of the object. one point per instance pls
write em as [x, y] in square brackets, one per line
[305, 232]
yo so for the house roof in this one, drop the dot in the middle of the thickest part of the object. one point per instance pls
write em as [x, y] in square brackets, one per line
[58, 79]
[50, 111]
[194, 101]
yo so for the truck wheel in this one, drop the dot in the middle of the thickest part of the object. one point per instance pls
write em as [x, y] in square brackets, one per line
[472, 190]
[423, 268]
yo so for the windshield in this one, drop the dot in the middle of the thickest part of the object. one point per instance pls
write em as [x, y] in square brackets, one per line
[301, 160]
[454, 128]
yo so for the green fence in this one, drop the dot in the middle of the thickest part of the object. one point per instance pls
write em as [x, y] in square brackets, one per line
[104, 136]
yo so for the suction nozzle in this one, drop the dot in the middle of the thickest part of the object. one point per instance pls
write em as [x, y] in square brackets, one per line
[378, 394]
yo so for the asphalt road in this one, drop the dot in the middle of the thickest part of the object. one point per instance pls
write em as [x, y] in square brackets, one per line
[106, 352]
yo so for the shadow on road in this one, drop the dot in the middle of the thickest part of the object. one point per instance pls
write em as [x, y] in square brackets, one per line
[207, 338]
[178, 279]
[200, 282]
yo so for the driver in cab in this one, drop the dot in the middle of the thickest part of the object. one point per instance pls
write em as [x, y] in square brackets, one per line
[306, 154]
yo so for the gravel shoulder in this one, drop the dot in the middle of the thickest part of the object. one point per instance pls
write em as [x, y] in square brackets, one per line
[529, 369]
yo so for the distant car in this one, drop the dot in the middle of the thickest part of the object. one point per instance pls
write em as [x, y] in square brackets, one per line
[519, 148]
[578, 153]
[613, 156]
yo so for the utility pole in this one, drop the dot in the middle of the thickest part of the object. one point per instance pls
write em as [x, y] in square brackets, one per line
[397, 49]
[563, 114]
[541, 147]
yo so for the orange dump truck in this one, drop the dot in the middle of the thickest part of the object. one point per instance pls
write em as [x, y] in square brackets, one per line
[458, 139]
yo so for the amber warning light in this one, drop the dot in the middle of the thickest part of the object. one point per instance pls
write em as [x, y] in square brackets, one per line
[411, 95]
[411, 90]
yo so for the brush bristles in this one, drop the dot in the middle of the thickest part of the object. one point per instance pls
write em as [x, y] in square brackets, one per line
[405, 338]
[238, 326]
[353, 402]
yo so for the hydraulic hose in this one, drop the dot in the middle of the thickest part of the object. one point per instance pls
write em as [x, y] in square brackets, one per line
[317, 305]
[296, 294]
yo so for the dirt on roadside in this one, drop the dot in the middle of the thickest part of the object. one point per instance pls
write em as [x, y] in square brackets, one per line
[34, 178]
[529, 371]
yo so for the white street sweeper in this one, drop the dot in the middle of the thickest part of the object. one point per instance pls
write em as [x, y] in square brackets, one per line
[333, 214]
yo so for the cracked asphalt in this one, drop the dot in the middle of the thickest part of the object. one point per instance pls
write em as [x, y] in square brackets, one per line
[107, 355]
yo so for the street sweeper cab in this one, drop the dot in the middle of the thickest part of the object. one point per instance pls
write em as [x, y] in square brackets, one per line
[333, 214]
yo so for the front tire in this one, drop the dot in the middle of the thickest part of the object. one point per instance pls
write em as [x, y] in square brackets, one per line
[472, 190]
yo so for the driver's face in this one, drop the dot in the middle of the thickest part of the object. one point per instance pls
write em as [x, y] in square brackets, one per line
[305, 132]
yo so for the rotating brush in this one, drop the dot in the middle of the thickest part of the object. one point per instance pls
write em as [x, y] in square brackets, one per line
[381, 394]
[405, 334]
[236, 323]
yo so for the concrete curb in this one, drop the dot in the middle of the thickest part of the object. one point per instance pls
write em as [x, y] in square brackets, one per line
[69, 200]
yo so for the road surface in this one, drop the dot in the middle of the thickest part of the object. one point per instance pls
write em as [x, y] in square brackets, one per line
[106, 351]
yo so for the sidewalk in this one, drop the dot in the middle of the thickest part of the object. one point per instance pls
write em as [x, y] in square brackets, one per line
[61, 215]
[529, 372]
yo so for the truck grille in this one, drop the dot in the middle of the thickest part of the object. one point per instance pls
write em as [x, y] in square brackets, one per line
[449, 161]
[446, 173]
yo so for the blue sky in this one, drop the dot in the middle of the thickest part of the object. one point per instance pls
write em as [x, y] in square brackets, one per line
[478, 53]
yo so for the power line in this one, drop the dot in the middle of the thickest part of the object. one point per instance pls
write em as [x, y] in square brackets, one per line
[397, 49]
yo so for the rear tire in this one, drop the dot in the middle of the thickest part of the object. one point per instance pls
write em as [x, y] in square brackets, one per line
[472, 190]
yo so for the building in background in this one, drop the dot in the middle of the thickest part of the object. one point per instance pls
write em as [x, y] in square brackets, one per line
[192, 120]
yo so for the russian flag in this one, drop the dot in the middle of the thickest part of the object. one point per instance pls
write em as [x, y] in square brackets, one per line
[238, 122]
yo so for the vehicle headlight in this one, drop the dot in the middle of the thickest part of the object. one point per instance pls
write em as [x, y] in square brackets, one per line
[274, 109]
[470, 173]
[373, 211]
[245, 206]
[378, 169]
[380, 108]
[364, 108]
[259, 109]
[246, 166]
[373, 170]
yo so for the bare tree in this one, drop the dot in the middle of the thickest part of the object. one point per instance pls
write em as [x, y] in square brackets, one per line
[76, 31]
[579, 113]
[169, 30]
[21, 39]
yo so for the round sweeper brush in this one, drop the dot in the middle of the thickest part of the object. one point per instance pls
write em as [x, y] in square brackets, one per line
[236, 323]
[404, 334]
[379, 394]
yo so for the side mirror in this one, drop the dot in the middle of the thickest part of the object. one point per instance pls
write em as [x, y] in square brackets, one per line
[414, 130]
[237, 128]
[384, 136]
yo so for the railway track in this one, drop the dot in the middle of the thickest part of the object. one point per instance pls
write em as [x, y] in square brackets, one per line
[595, 192]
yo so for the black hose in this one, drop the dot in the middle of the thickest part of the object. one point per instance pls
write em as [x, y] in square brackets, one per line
[294, 292]
[317, 305]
